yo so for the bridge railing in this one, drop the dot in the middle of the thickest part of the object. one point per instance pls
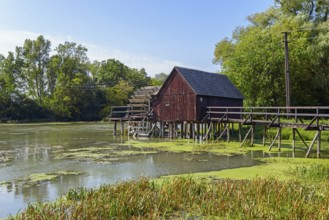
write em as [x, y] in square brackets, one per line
[119, 112]
[268, 113]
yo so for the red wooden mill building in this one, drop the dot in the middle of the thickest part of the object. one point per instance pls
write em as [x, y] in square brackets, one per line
[179, 104]
[186, 94]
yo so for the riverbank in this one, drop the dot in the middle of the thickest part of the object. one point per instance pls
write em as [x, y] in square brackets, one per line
[186, 198]
[249, 192]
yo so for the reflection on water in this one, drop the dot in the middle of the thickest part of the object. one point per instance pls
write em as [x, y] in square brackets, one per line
[32, 149]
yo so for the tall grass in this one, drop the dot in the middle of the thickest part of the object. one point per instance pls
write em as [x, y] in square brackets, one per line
[187, 198]
[318, 171]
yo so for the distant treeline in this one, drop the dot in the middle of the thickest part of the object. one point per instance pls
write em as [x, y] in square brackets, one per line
[65, 86]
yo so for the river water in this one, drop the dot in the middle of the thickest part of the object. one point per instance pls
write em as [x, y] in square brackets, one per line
[46, 148]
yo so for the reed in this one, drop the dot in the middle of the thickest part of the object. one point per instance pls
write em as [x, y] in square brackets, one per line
[317, 171]
[186, 198]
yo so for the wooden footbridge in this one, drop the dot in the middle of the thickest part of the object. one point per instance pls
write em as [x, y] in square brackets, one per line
[219, 123]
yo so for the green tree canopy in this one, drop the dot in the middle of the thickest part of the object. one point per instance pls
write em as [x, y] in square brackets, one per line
[253, 57]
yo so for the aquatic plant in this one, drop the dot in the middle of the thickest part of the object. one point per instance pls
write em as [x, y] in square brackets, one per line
[187, 198]
[317, 171]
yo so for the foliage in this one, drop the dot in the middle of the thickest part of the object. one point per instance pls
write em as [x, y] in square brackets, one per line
[159, 79]
[63, 86]
[254, 56]
[314, 172]
[187, 198]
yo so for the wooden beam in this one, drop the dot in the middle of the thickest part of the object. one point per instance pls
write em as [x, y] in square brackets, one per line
[311, 146]
[264, 135]
[206, 136]
[223, 132]
[274, 140]
[245, 137]
[240, 138]
[318, 144]
[293, 141]
[122, 127]
[279, 139]
[115, 128]
[300, 136]
[252, 136]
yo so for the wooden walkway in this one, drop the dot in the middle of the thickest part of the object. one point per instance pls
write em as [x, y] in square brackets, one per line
[311, 118]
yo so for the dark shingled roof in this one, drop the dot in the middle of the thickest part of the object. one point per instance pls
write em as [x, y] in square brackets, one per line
[209, 84]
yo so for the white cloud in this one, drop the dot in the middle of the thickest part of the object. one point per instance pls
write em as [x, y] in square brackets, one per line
[9, 39]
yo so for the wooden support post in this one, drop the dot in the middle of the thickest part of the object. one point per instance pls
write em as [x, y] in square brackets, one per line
[245, 138]
[214, 130]
[252, 136]
[264, 135]
[302, 138]
[223, 132]
[186, 129]
[161, 134]
[115, 128]
[279, 138]
[274, 140]
[293, 141]
[174, 129]
[198, 130]
[170, 129]
[192, 130]
[228, 132]
[318, 144]
[240, 137]
[122, 129]
[311, 146]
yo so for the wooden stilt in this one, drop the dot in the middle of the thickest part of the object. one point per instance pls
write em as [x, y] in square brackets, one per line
[274, 140]
[300, 136]
[198, 130]
[221, 134]
[170, 129]
[264, 135]
[311, 146]
[161, 134]
[174, 129]
[245, 138]
[193, 130]
[182, 129]
[214, 130]
[240, 137]
[252, 136]
[319, 144]
[115, 128]
[122, 129]
[279, 139]
[293, 141]
[185, 130]
[228, 132]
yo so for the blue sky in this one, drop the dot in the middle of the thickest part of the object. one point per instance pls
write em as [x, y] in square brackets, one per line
[151, 34]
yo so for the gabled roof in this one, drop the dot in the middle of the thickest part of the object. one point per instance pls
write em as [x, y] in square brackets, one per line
[209, 84]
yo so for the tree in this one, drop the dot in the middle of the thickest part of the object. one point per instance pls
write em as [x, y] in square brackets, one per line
[254, 57]
[70, 68]
[116, 82]
[159, 79]
[36, 58]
